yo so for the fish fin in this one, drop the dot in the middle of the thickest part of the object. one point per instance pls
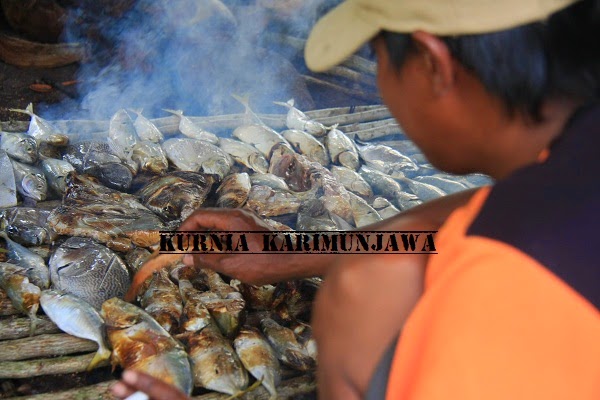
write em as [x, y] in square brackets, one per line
[291, 102]
[251, 388]
[281, 103]
[137, 111]
[33, 323]
[175, 112]
[245, 101]
[101, 355]
[28, 110]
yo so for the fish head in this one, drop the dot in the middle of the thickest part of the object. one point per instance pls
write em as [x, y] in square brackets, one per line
[157, 165]
[50, 296]
[35, 187]
[118, 314]
[295, 174]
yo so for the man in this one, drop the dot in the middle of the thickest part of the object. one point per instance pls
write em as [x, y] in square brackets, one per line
[509, 305]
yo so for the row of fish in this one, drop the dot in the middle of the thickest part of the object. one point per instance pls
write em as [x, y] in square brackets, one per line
[114, 198]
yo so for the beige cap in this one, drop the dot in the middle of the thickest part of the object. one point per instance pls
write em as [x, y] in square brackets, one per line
[353, 23]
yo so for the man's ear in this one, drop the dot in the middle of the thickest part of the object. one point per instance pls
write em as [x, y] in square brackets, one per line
[437, 60]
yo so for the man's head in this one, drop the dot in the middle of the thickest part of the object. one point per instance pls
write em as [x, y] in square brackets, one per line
[453, 71]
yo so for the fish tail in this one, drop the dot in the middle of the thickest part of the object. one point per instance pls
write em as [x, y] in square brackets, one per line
[33, 322]
[245, 101]
[251, 388]
[175, 112]
[28, 110]
[101, 355]
[281, 103]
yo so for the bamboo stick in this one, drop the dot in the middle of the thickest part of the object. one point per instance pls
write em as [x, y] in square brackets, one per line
[363, 126]
[16, 328]
[357, 94]
[47, 366]
[289, 389]
[44, 346]
[376, 133]
[6, 306]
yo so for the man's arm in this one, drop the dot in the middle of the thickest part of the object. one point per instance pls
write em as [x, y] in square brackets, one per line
[269, 268]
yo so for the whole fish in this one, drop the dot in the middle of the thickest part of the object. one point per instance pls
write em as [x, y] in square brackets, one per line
[192, 130]
[37, 270]
[217, 285]
[245, 154]
[382, 184]
[20, 147]
[268, 202]
[56, 172]
[352, 181]
[443, 183]
[122, 134]
[24, 296]
[295, 169]
[176, 195]
[387, 160]
[150, 157]
[363, 213]
[89, 271]
[8, 186]
[197, 156]
[422, 190]
[305, 338]
[85, 189]
[296, 119]
[342, 149]
[99, 160]
[27, 226]
[258, 358]
[215, 365]
[228, 314]
[129, 328]
[256, 133]
[30, 181]
[145, 129]
[384, 208]
[76, 317]
[307, 145]
[286, 345]
[162, 301]
[233, 191]
[257, 297]
[43, 131]
[334, 195]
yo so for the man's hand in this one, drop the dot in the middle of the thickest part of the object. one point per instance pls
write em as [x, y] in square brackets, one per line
[134, 381]
[257, 269]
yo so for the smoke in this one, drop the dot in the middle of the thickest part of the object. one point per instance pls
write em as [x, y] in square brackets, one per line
[187, 54]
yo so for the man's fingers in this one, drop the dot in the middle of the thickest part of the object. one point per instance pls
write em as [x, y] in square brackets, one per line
[121, 390]
[153, 387]
[206, 218]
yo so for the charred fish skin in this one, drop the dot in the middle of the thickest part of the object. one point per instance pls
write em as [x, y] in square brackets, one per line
[76, 317]
[286, 345]
[215, 364]
[271, 180]
[162, 301]
[234, 190]
[89, 271]
[36, 268]
[20, 147]
[387, 160]
[258, 358]
[128, 329]
[195, 315]
[30, 181]
[24, 295]
[268, 202]
[313, 216]
[245, 154]
[27, 226]
[362, 212]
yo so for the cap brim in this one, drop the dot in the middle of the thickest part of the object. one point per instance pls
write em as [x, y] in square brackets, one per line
[337, 36]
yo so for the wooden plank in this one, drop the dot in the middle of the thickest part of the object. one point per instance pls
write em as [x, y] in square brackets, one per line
[47, 366]
[15, 328]
[59, 344]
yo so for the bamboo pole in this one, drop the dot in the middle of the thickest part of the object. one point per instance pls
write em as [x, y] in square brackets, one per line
[289, 389]
[47, 366]
[6, 306]
[357, 94]
[16, 328]
[44, 346]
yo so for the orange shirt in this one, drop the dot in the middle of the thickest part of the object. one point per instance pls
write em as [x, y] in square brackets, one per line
[510, 303]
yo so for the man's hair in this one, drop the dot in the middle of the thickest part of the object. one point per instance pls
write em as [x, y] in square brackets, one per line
[523, 66]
